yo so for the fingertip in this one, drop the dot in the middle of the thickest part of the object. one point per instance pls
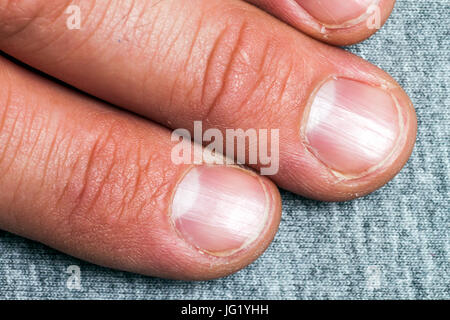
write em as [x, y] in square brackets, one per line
[223, 218]
[332, 21]
[357, 139]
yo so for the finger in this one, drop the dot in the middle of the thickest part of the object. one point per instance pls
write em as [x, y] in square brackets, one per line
[99, 184]
[338, 22]
[346, 127]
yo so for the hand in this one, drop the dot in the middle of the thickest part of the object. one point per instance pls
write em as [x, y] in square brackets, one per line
[100, 183]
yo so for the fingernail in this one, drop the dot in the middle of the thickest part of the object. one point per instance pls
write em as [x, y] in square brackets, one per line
[336, 12]
[352, 127]
[220, 210]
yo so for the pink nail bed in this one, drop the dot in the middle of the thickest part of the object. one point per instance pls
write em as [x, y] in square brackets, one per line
[336, 12]
[218, 209]
[352, 127]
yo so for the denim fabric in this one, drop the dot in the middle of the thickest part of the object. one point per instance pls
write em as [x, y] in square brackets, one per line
[393, 243]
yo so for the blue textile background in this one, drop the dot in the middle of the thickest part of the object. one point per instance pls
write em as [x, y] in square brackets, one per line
[394, 243]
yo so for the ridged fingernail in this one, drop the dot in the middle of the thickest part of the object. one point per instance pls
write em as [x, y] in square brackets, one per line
[336, 12]
[352, 127]
[220, 210]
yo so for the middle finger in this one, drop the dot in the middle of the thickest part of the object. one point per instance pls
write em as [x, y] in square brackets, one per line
[346, 127]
